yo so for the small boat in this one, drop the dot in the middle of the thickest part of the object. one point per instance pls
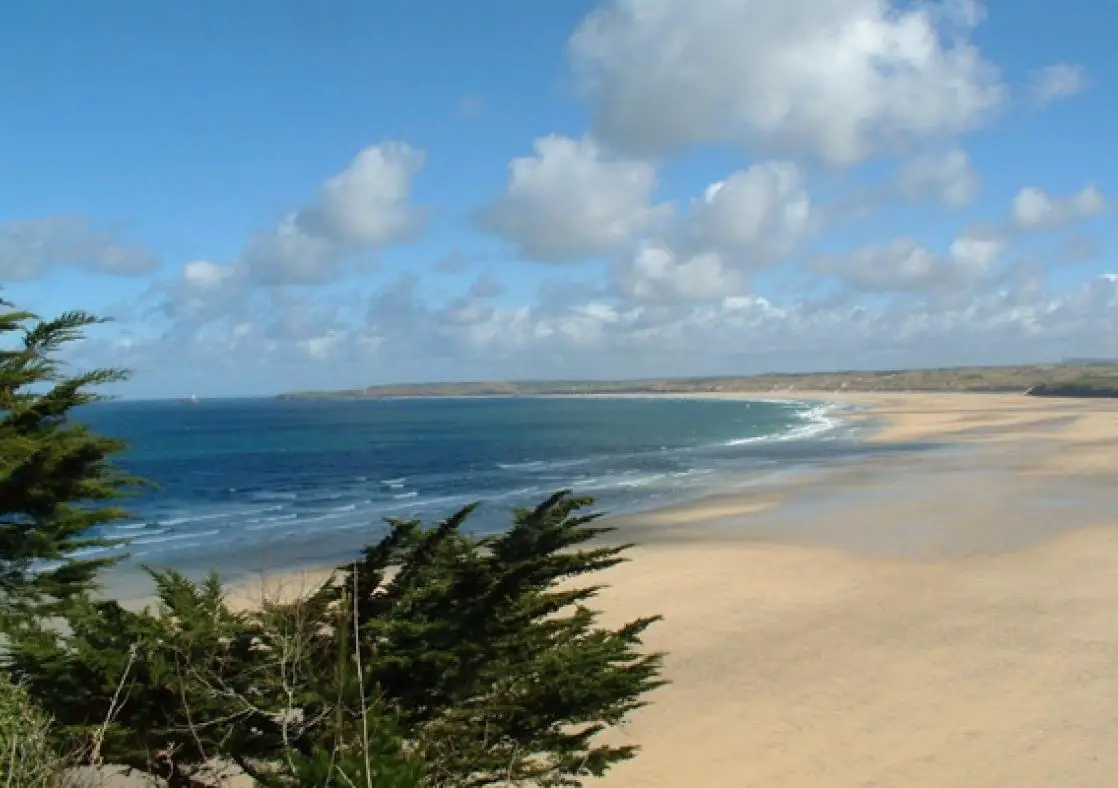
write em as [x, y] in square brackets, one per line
[193, 399]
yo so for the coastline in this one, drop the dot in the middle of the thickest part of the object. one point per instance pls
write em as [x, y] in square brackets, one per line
[918, 619]
[903, 421]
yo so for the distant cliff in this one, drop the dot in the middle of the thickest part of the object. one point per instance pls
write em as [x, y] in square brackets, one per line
[1039, 380]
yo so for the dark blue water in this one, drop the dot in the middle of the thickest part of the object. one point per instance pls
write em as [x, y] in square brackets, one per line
[252, 483]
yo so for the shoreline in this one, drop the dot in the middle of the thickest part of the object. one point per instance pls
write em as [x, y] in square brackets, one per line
[885, 419]
[130, 583]
[919, 619]
[738, 493]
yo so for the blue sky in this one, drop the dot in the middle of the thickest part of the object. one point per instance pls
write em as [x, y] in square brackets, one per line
[277, 195]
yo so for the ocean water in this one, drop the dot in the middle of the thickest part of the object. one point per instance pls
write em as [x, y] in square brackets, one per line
[250, 484]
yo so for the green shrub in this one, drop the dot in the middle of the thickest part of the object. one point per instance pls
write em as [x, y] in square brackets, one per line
[27, 756]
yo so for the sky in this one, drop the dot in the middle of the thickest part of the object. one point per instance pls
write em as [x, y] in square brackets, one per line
[272, 195]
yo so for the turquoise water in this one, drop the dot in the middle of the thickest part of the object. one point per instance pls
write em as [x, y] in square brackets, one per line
[283, 483]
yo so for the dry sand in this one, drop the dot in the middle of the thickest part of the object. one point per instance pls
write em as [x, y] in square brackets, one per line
[947, 618]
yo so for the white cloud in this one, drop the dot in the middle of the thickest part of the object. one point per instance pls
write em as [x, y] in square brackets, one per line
[571, 201]
[1056, 82]
[203, 292]
[755, 215]
[906, 265]
[363, 207]
[839, 80]
[976, 255]
[289, 255]
[657, 273]
[733, 334]
[1034, 209]
[945, 177]
[33, 248]
[1017, 319]
[319, 348]
[367, 204]
[749, 220]
[202, 275]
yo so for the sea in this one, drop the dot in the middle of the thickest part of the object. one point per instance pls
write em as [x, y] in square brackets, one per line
[266, 484]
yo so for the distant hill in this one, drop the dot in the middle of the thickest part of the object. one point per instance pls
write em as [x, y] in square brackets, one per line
[1088, 387]
[1038, 379]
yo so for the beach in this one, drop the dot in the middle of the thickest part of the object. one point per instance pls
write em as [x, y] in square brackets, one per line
[944, 617]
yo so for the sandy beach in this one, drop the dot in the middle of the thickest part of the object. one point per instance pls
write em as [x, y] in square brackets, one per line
[946, 617]
[941, 619]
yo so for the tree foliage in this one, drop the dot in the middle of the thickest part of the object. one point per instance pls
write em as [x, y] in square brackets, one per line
[57, 480]
[435, 659]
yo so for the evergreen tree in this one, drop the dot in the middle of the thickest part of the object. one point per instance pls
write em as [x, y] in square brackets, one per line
[57, 480]
[435, 660]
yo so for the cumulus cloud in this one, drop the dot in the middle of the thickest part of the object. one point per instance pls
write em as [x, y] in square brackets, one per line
[34, 248]
[906, 265]
[355, 212]
[1054, 82]
[571, 201]
[404, 336]
[365, 206]
[755, 215]
[751, 219]
[202, 292]
[1035, 210]
[733, 334]
[657, 273]
[287, 254]
[202, 275]
[840, 80]
[945, 177]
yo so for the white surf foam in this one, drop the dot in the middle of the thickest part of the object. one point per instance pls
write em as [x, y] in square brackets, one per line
[817, 420]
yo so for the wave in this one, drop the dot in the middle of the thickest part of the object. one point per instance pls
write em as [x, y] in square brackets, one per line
[520, 466]
[199, 518]
[270, 495]
[404, 496]
[394, 483]
[537, 465]
[458, 500]
[522, 492]
[641, 481]
[325, 496]
[263, 522]
[130, 526]
[88, 552]
[818, 422]
[175, 537]
[322, 518]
